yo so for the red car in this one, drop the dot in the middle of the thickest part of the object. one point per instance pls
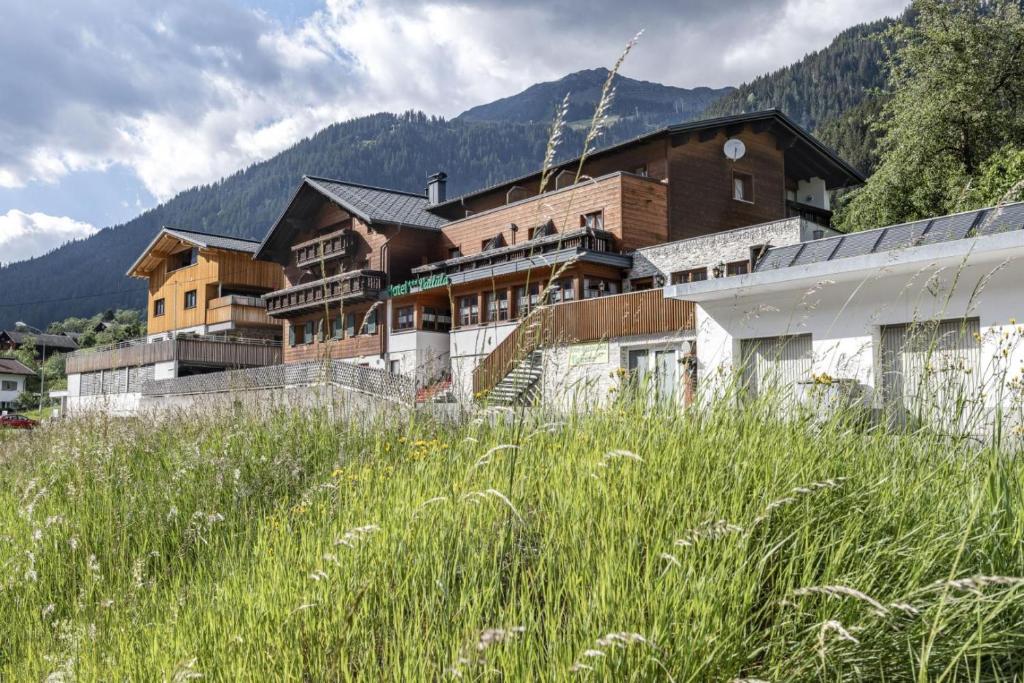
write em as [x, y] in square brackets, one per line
[17, 422]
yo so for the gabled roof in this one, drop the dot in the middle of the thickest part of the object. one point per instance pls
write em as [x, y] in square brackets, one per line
[379, 205]
[54, 341]
[10, 366]
[827, 160]
[956, 226]
[168, 240]
[373, 205]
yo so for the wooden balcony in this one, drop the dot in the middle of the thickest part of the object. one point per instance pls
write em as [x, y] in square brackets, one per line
[631, 208]
[239, 311]
[357, 285]
[622, 315]
[224, 352]
[581, 240]
[323, 248]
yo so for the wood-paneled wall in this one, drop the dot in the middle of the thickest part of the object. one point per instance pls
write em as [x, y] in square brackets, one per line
[212, 267]
[349, 347]
[642, 200]
[701, 184]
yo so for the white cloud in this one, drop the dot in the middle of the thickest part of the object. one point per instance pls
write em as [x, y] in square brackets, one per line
[24, 235]
[187, 92]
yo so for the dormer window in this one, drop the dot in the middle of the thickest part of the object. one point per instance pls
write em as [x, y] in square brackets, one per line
[593, 220]
[545, 230]
[564, 178]
[495, 242]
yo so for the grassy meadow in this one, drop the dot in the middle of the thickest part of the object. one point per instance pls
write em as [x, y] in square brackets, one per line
[626, 545]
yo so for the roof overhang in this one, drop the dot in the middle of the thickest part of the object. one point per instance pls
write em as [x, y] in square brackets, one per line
[809, 156]
[308, 197]
[162, 246]
[988, 249]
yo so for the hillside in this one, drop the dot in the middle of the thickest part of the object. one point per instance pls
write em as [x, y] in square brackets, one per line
[391, 150]
[829, 91]
[651, 103]
[384, 149]
[825, 91]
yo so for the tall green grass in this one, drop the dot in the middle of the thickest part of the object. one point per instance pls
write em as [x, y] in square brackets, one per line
[629, 544]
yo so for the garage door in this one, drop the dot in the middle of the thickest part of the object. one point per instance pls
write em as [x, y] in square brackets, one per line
[776, 363]
[930, 370]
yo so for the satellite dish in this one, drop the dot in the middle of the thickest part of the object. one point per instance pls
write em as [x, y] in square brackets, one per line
[734, 149]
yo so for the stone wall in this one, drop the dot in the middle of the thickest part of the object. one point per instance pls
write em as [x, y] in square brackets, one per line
[721, 247]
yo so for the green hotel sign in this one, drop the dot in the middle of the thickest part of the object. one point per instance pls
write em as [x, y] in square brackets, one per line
[419, 284]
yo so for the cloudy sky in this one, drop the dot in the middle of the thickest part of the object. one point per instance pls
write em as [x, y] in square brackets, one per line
[108, 107]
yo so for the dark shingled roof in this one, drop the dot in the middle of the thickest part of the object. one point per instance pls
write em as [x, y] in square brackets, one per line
[9, 366]
[54, 341]
[379, 205]
[208, 240]
[957, 226]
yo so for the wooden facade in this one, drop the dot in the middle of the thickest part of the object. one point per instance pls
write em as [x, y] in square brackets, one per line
[667, 186]
[227, 353]
[633, 208]
[192, 295]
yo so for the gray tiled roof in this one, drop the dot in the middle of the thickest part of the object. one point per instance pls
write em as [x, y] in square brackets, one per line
[957, 226]
[378, 205]
[10, 366]
[208, 240]
[55, 341]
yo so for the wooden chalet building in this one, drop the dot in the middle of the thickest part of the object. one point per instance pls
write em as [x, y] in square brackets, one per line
[204, 314]
[427, 285]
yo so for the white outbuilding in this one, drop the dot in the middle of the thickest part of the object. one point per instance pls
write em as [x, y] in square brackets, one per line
[920, 313]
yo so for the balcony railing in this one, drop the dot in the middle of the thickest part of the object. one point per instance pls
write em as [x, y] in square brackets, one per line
[239, 310]
[580, 240]
[323, 248]
[234, 352]
[622, 315]
[358, 285]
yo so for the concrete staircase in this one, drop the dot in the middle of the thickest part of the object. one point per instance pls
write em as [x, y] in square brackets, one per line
[522, 385]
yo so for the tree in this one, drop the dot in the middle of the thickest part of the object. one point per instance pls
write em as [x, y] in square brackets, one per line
[956, 98]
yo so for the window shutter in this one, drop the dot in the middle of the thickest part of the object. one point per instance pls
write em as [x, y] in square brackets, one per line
[336, 327]
[309, 332]
[291, 334]
[320, 329]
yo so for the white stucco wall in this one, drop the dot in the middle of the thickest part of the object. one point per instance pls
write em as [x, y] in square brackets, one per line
[11, 396]
[109, 404]
[569, 385]
[468, 346]
[845, 318]
[422, 354]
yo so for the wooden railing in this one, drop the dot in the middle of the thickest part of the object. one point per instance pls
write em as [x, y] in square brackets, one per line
[238, 310]
[583, 240]
[330, 246]
[352, 286]
[225, 351]
[623, 315]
